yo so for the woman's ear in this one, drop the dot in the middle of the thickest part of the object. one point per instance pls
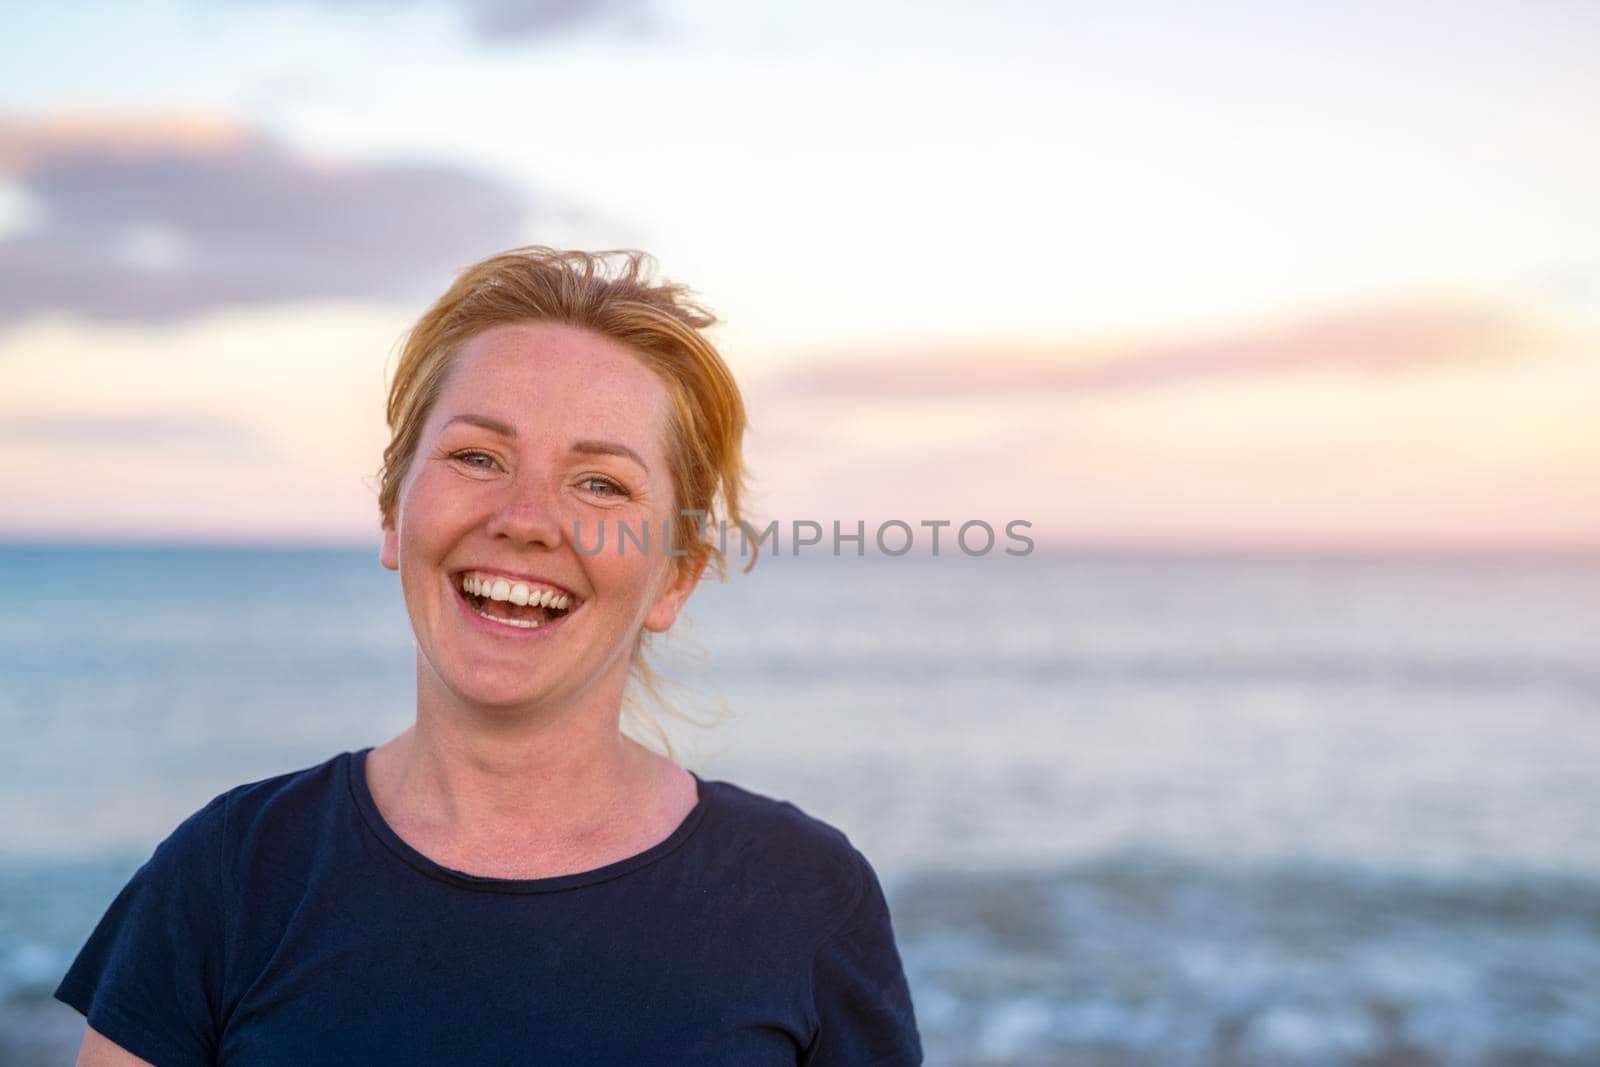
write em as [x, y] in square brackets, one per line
[389, 554]
[670, 601]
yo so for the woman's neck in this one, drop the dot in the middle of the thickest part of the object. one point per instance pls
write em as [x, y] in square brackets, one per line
[473, 768]
[495, 792]
[563, 777]
[525, 813]
[491, 769]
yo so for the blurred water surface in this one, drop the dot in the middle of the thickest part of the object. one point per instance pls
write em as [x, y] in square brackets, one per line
[1129, 809]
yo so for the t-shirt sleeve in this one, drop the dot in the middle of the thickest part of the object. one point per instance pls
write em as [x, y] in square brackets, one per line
[150, 975]
[858, 986]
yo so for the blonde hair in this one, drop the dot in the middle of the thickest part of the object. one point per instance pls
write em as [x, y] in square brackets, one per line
[613, 294]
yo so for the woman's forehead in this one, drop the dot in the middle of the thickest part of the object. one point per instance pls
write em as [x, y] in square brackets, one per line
[553, 377]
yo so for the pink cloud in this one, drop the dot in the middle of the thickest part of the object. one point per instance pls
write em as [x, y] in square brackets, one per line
[1369, 341]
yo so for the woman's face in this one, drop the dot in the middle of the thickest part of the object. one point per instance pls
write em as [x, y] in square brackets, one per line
[540, 427]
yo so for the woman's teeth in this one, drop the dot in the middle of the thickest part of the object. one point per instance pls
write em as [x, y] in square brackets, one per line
[526, 624]
[517, 593]
[528, 607]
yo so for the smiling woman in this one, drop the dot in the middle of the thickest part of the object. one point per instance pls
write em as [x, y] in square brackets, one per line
[543, 434]
[513, 879]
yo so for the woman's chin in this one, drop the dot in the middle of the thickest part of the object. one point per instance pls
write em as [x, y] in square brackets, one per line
[507, 701]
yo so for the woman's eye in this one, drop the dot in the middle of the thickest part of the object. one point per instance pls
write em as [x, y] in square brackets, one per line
[470, 457]
[604, 487]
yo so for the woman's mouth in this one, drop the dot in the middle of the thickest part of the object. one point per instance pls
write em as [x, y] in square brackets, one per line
[524, 605]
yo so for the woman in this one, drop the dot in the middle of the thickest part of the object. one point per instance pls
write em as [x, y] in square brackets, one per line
[512, 880]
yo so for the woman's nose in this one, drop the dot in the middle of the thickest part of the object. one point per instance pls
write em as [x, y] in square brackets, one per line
[527, 514]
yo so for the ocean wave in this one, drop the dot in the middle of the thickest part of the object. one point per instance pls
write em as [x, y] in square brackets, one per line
[1145, 958]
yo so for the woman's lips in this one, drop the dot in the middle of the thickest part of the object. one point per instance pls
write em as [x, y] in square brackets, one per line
[504, 629]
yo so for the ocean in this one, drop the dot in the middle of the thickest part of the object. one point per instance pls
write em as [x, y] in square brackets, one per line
[1128, 809]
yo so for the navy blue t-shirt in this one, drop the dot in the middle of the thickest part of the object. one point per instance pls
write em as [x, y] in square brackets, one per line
[285, 922]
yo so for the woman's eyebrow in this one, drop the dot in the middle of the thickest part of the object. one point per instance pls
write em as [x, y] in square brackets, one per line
[504, 429]
[610, 448]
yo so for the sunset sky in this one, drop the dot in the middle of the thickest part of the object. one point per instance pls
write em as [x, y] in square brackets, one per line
[1231, 276]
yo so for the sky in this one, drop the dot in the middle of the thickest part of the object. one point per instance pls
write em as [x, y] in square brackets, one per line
[1254, 276]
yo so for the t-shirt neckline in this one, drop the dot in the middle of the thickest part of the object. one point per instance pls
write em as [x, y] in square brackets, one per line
[355, 771]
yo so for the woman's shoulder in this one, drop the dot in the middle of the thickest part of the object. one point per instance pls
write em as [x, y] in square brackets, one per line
[761, 814]
[285, 806]
[779, 841]
[307, 787]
